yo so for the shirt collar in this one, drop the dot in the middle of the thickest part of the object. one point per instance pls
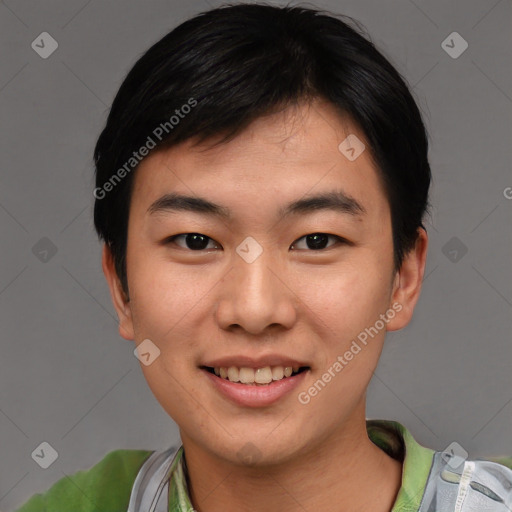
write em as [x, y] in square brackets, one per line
[397, 442]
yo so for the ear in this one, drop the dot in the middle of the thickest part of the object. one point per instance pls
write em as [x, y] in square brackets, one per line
[119, 299]
[407, 283]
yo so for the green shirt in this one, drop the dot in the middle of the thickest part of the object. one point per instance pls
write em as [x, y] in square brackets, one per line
[107, 486]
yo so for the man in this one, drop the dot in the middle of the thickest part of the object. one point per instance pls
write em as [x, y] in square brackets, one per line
[261, 184]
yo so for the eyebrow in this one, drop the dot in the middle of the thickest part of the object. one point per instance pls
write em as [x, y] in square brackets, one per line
[337, 201]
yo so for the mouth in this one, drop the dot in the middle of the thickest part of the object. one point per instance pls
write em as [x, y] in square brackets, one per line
[257, 385]
[262, 376]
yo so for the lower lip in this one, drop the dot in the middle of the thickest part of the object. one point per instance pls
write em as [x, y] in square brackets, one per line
[256, 395]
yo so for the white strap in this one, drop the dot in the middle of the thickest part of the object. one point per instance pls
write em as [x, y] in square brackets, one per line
[150, 490]
[465, 479]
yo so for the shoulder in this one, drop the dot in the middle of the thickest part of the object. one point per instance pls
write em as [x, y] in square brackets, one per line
[105, 486]
[480, 484]
[504, 461]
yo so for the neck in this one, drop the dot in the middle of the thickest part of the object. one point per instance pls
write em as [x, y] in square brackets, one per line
[345, 472]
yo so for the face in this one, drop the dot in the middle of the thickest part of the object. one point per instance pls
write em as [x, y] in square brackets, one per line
[264, 285]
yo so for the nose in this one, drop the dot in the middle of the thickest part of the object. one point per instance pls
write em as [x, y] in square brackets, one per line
[256, 297]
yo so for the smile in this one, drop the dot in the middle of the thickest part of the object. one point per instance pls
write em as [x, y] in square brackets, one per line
[253, 393]
[255, 376]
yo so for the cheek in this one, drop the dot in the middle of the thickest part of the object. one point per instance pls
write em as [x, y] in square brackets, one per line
[348, 298]
[162, 296]
[171, 305]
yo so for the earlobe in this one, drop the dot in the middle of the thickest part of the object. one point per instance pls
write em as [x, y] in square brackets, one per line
[121, 304]
[408, 281]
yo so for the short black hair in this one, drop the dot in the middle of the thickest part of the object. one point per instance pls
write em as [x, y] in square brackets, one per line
[222, 69]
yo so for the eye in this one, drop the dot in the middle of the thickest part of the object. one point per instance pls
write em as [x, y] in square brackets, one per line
[317, 241]
[193, 241]
[199, 242]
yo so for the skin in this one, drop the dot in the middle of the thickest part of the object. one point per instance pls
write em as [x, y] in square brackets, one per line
[292, 300]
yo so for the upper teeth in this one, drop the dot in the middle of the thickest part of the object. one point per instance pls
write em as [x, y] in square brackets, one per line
[259, 375]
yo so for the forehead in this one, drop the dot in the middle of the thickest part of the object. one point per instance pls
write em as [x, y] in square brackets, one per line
[298, 152]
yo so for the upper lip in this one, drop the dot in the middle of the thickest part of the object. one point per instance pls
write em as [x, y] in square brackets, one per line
[254, 362]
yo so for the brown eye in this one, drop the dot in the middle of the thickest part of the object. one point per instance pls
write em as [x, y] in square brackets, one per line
[318, 241]
[192, 241]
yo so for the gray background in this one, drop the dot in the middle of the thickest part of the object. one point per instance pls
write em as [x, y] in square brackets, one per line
[68, 378]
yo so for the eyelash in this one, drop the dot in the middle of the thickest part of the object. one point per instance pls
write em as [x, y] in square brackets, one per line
[339, 240]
